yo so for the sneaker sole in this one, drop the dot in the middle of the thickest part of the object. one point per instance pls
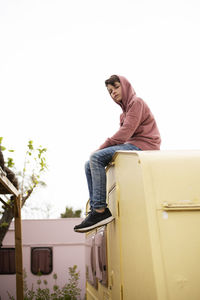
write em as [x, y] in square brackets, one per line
[99, 224]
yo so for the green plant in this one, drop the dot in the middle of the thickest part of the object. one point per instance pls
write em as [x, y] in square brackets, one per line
[70, 291]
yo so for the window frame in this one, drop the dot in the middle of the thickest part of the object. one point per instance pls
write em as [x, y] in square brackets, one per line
[4, 250]
[50, 263]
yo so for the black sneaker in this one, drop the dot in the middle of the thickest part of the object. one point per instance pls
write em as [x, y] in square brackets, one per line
[94, 220]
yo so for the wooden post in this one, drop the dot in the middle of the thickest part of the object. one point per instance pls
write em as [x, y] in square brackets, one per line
[18, 250]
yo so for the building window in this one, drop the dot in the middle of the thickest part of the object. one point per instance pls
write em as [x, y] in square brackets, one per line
[41, 260]
[7, 261]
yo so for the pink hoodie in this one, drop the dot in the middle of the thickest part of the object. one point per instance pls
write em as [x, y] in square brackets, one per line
[137, 124]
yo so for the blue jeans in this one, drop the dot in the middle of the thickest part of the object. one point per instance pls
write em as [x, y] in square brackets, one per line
[96, 174]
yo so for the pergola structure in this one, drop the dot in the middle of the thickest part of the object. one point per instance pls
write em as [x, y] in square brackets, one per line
[6, 187]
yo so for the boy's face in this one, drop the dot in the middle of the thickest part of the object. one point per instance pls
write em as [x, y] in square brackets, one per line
[115, 91]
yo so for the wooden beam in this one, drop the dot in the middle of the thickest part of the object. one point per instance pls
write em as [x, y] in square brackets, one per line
[18, 249]
[8, 186]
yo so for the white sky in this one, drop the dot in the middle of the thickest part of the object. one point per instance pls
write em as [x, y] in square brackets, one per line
[54, 59]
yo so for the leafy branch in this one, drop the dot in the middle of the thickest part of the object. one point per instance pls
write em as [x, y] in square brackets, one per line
[25, 180]
[33, 169]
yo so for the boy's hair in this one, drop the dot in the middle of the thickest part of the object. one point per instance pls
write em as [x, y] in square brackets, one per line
[112, 80]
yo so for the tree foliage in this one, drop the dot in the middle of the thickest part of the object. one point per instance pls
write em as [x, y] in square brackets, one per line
[29, 178]
[70, 213]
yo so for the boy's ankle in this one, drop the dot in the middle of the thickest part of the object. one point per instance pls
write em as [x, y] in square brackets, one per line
[100, 210]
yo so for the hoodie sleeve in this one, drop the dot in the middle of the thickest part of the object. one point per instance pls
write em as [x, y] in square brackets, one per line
[131, 122]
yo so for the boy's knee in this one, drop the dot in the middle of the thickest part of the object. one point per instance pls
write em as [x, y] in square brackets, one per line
[87, 166]
[94, 157]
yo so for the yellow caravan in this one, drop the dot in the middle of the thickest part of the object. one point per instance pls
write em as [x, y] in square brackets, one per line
[151, 251]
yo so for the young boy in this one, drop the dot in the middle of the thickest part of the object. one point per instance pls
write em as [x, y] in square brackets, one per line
[138, 131]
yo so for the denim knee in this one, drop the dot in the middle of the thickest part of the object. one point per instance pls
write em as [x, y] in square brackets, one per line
[95, 160]
[93, 157]
[87, 166]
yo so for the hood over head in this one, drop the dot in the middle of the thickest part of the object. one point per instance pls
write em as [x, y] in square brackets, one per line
[128, 93]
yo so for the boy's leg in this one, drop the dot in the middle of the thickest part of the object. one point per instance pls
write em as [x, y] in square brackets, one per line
[89, 182]
[98, 161]
[97, 180]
